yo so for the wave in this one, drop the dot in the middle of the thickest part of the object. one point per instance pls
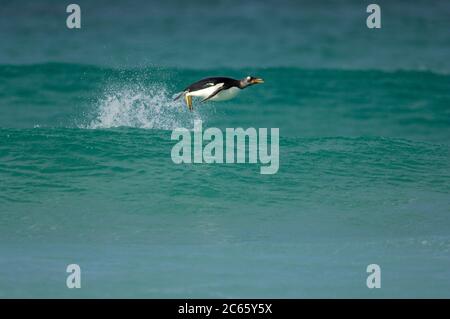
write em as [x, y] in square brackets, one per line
[73, 160]
[301, 102]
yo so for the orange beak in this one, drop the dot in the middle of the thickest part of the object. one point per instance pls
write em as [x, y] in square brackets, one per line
[257, 81]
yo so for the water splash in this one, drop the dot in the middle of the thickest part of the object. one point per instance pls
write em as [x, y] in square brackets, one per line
[142, 107]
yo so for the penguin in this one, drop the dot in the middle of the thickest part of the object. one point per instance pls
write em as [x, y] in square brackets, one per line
[216, 89]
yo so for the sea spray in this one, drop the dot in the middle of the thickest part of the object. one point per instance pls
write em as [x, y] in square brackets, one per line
[141, 107]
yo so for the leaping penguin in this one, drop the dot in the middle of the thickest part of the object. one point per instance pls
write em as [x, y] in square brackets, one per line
[216, 89]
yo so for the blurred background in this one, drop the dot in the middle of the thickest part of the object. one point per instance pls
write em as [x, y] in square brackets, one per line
[235, 34]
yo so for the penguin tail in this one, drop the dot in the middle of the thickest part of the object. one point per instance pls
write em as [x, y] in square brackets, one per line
[179, 95]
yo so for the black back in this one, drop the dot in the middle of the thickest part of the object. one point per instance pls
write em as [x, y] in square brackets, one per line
[204, 83]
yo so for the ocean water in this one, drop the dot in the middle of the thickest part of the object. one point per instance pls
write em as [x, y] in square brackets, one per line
[86, 175]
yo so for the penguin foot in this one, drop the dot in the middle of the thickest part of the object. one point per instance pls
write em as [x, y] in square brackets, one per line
[188, 100]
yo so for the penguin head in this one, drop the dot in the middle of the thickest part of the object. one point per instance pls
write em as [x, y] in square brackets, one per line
[250, 80]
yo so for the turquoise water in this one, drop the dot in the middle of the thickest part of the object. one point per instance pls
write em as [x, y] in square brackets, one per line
[86, 175]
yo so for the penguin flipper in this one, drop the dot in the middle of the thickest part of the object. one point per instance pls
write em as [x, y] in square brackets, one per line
[213, 94]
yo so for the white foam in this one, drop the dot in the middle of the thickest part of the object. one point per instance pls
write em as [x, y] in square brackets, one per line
[142, 107]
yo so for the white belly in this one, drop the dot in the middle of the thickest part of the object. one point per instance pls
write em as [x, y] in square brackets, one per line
[221, 96]
[226, 94]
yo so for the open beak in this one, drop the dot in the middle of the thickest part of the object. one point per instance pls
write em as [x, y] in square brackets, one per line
[257, 81]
